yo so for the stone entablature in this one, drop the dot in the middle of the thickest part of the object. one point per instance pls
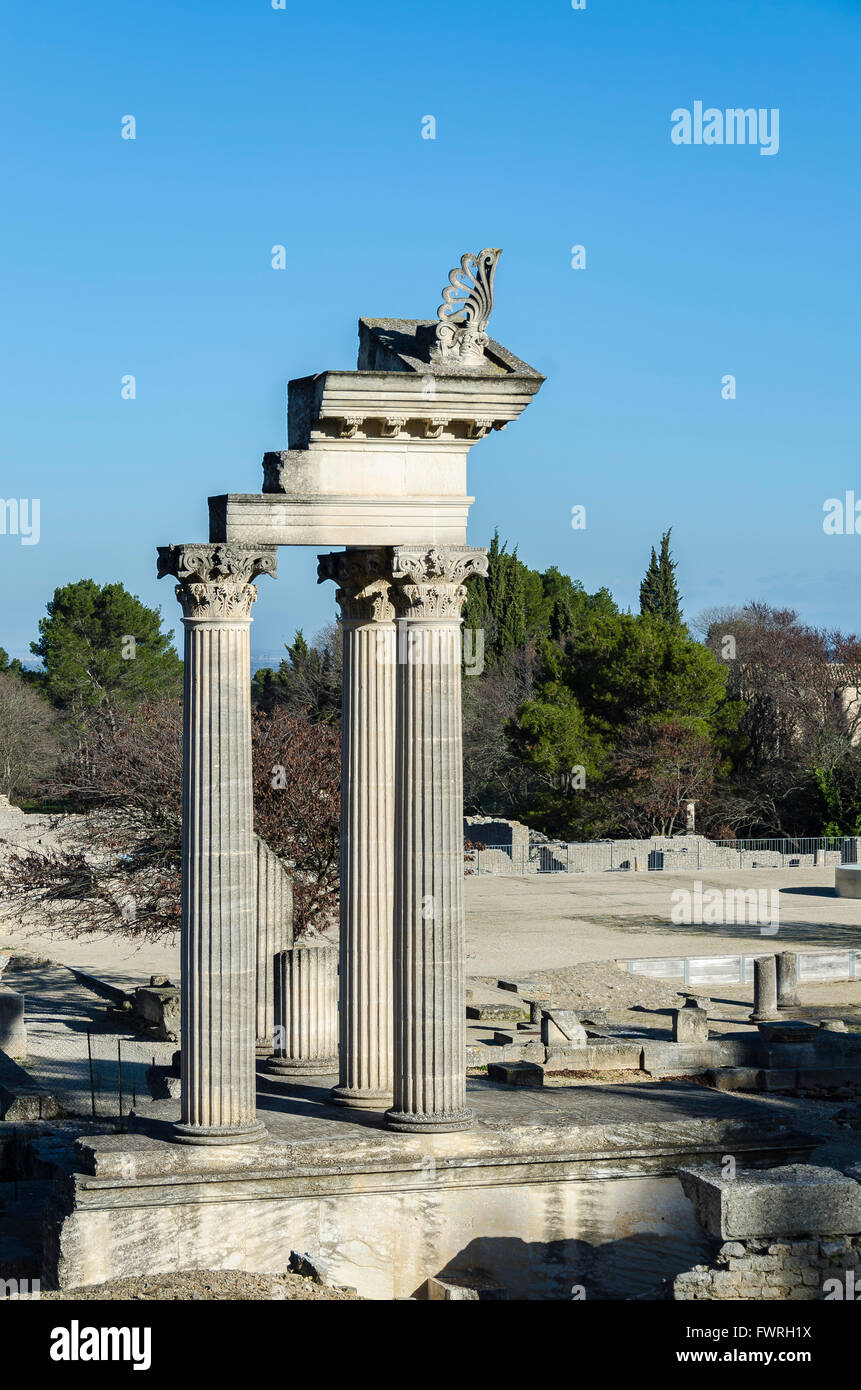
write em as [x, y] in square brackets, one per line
[378, 456]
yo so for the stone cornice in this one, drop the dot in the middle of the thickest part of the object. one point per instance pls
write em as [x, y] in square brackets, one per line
[215, 581]
[430, 582]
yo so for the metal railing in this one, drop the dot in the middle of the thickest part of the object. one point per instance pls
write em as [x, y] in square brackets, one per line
[663, 854]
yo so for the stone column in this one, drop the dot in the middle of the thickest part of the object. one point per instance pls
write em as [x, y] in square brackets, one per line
[764, 989]
[367, 825]
[787, 980]
[218, 917]
[306, 1011]
[430, 1006]
[274, 910]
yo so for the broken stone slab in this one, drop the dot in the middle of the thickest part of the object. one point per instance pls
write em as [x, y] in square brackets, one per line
[797, 1200]
[22, 1098]
[463, 1288]
[597, 1018]
[160, 1006]
[527, 989]
[496, 1013]
[516, 1073]
[13, 1029]
[696, 1001]
[788, 1031]
[690, 1024]
[562, 1027]
[114, 995]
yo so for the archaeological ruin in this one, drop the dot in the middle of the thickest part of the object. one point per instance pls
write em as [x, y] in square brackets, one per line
[375, 1115]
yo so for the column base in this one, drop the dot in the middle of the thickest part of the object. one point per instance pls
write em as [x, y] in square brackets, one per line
[767, 1017]
[356, 1099]
[219, 1134]
[442, 1123]
[263, 1048]
[302, 1066]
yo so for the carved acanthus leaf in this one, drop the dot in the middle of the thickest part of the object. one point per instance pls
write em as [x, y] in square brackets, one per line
[363, 577]
[215, 581]
[431, 583]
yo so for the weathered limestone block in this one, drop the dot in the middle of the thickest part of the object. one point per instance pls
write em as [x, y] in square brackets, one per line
[615, 1056]
[516, 1073]
[671, 1057]
[847, 881]
[13, 1029]
[560, 1059]
[690, 1025]
[798, 1200]
[306, 1011]
[274, 915]
[161, 1007]
[561, 1028]
[739, 1079]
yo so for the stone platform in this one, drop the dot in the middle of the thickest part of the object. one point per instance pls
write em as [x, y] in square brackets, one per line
[570, 1185]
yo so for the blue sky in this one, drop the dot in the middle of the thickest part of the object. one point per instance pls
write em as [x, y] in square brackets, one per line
[302, 127]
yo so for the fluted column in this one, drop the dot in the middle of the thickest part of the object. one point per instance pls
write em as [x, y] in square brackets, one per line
[306, 1011]
[274, 910]
[218, 916]
[430, 1007]
[367, 825]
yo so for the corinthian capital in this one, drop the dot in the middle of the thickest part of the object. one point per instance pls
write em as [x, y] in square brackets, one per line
[364, 578]
[215, 581]
[431, 583]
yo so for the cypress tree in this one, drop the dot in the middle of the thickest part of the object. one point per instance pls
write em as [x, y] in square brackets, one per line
[659, 593]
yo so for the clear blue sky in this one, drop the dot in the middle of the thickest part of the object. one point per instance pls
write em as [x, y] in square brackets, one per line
[302, 126]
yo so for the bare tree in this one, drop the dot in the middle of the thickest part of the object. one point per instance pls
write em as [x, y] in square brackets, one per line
[29, 746]
[120, 868]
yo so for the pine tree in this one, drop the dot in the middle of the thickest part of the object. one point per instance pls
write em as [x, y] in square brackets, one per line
[659, 594]
[99, 643]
